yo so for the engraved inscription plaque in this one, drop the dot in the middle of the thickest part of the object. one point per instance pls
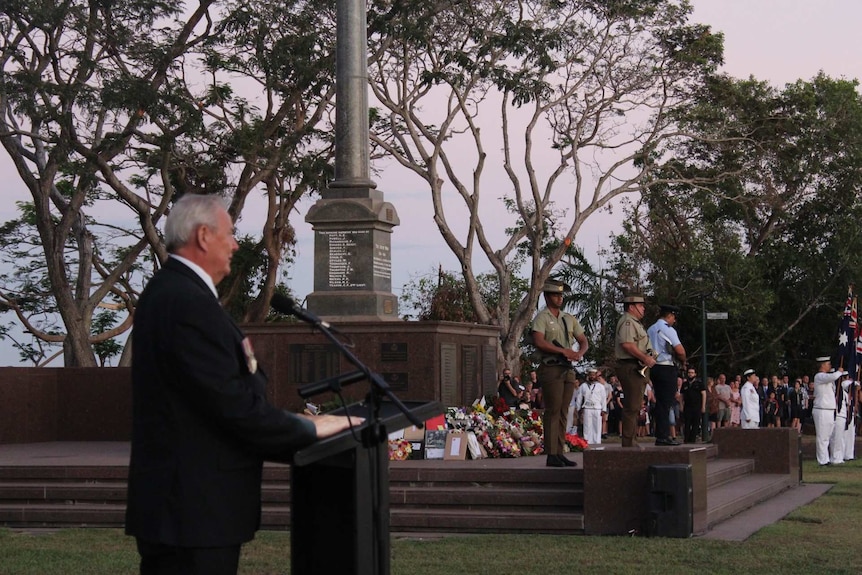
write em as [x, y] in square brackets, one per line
[449, 374]
[393, 352]
[397, 381]
[345, 260]
[469, 375]
[312, 362]
[489, 369]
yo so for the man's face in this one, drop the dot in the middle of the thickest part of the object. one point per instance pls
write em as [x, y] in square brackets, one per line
[637, 310]
[722, 378]
[554, 300]
[691, 373]
[220, 247]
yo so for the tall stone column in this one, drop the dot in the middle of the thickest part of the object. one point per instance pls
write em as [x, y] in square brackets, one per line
[352, 223]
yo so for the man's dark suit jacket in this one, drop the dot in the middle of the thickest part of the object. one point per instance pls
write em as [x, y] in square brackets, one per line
[201, 421]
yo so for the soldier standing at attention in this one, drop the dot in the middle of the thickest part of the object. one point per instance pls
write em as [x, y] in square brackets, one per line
[554, 333]
[632, 349]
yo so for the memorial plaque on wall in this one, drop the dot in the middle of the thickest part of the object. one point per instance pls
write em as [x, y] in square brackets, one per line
[393, 352]
[397, 381]
[449, 374]
[469, 375]
[489, 369]
[310, 362]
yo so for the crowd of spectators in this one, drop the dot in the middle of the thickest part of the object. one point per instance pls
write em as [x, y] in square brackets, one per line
[784, 402]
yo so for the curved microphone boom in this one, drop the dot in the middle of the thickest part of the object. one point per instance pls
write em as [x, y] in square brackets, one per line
[286, 305]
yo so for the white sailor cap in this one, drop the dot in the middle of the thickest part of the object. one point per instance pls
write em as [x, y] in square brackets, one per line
[748, 372]
[823, 358]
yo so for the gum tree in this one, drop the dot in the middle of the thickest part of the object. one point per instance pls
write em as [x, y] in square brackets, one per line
[555, 105]
[109, 110]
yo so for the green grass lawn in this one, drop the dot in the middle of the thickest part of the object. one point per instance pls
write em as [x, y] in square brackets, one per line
[822, 537]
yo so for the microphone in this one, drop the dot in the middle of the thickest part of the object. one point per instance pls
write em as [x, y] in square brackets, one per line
[287, 306]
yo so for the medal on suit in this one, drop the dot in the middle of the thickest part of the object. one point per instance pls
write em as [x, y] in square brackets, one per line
[250, 360]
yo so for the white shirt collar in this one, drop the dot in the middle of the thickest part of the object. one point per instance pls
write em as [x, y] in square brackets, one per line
[199, 271]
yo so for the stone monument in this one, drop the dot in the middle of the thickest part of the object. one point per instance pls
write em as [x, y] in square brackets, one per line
[421, 360]
[352, 223]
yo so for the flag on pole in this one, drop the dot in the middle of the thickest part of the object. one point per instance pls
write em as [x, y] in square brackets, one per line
[848, 336]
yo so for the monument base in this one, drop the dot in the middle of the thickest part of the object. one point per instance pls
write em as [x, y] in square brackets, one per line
[354, 306]
[453, 363]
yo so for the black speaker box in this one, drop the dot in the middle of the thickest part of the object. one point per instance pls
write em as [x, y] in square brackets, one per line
[670, 508]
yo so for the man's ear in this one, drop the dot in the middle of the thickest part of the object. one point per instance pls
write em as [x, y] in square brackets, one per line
[202, 236]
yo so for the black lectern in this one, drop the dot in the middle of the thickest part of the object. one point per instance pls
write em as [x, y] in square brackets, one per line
[340, 496]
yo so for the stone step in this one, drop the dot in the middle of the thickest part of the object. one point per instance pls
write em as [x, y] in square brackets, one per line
[58, 515]
[744, 492]
[399, 473]
[59, 492]
[484, 497]
[471, 521]
[720, 471]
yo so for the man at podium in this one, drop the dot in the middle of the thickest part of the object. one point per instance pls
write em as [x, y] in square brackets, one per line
[201, 423]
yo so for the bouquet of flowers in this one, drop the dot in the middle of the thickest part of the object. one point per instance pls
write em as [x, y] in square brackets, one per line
[399, 449]
[500, 431]
[507, 446]
[576, 442]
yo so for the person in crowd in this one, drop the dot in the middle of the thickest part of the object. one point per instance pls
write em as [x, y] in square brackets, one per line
[650, 395]
[676, 417]
[507, 389]
[618, 406]
[722, 390]
[643, 418]
[527, 396]
[555, 332]
[694, 404]
[736, 404]
[796, 405]
[786, 390]
[763, 395]
[825, 406]
[632, 350]
[771, 410]
[669, 351]
[201, 421]
[591, 401]
[573, 420]
[609, 391]
[536, 397]
[710, 416]
[750, 403]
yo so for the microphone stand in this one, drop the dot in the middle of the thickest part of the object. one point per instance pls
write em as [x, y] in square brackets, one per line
[373, 437]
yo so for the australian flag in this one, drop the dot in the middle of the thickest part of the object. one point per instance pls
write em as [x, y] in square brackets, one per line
[849, 337]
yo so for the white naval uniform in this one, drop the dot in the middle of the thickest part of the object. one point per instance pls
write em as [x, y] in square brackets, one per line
[836, 442]
[749, 417]
[592, 398]
[824, 412]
